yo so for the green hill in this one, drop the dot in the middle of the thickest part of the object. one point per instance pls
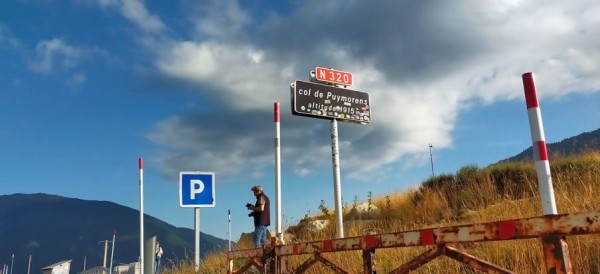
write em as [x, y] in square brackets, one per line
[53, 228]
[575, 145]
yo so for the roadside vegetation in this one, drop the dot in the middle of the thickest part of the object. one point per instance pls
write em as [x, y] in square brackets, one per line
[472, 195]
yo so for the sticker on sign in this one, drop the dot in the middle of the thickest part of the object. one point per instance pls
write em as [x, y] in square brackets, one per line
[333, 76]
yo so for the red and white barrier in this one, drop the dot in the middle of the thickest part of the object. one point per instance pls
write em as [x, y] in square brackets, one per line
[542, 164]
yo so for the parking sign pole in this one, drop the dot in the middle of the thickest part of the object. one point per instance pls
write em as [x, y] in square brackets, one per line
[337, 184]
[197, 238]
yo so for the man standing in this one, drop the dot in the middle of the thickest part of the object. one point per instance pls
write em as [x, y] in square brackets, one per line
[159, 253]
[262, 216]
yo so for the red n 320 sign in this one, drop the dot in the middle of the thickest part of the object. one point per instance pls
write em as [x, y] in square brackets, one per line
[333, 76]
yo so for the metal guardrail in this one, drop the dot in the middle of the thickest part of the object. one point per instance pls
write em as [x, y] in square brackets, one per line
[551, 228]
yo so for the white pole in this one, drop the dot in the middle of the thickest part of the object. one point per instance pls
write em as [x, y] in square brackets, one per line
[229, 229]
[431, 158]
[29, 264]
[12, 263]
[197, 238]
[229, 234]
[540, 153]
[105, 253]
[276, 114]
[141, 166]
[112, 252]
[84, 262]
[335, 149]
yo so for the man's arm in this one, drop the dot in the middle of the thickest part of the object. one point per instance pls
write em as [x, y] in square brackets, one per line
[261, 205]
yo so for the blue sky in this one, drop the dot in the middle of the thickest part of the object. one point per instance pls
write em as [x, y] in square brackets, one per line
[88, 86]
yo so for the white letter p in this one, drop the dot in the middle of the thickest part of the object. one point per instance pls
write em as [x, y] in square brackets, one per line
[196, 187]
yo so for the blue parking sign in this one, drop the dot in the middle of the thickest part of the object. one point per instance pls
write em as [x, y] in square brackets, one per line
[196, 189]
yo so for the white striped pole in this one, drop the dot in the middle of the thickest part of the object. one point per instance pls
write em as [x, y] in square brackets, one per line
[141, 166]
[556, 249]
[540, 153]
[276, 117]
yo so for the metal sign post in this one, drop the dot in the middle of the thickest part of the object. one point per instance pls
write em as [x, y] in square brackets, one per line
[333, 103]
[196, 239]
[196, 189]
[337, 184]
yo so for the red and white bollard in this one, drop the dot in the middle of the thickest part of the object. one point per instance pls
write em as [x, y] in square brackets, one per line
[141, 168]
[540, 153]
[556, 250]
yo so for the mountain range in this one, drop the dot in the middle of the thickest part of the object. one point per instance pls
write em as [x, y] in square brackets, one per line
[53, 228]
[570, 146]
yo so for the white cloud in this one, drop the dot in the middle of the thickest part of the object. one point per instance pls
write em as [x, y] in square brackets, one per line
[221, 19]
[236, 69]
[423, 63]
[7, 40]
[136, 12]
[55, 52]
[77, 79]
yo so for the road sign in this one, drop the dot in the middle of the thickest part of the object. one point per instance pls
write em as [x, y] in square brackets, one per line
[329, 102]
[333, 76]
[196, 189]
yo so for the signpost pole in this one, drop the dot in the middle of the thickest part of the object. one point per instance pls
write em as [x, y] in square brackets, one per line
[196, 189]
[331, 102]
[335, 151]
[278, 229]
[197, 238]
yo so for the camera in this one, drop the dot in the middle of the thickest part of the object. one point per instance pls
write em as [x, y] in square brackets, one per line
[248, 205]
[251, 214]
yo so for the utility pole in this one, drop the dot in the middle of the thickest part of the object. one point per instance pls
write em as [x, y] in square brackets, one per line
[431, 158]
[112, 252]
[105, 251]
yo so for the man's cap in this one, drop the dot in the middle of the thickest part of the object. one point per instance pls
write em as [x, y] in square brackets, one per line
[257, 187]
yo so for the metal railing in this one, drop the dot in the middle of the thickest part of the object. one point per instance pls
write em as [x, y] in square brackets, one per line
[551, 228]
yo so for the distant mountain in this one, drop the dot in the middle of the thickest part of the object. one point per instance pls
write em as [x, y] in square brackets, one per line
[567, 147]
[53, 228]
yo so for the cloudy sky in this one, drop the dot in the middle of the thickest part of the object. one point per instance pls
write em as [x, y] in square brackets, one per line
[88, 86]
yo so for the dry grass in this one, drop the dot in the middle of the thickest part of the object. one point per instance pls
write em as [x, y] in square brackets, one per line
[472, 195]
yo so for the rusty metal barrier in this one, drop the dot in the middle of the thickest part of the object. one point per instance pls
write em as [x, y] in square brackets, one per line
[552, 228]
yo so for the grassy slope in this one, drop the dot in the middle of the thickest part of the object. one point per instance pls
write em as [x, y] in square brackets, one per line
[472, 195]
